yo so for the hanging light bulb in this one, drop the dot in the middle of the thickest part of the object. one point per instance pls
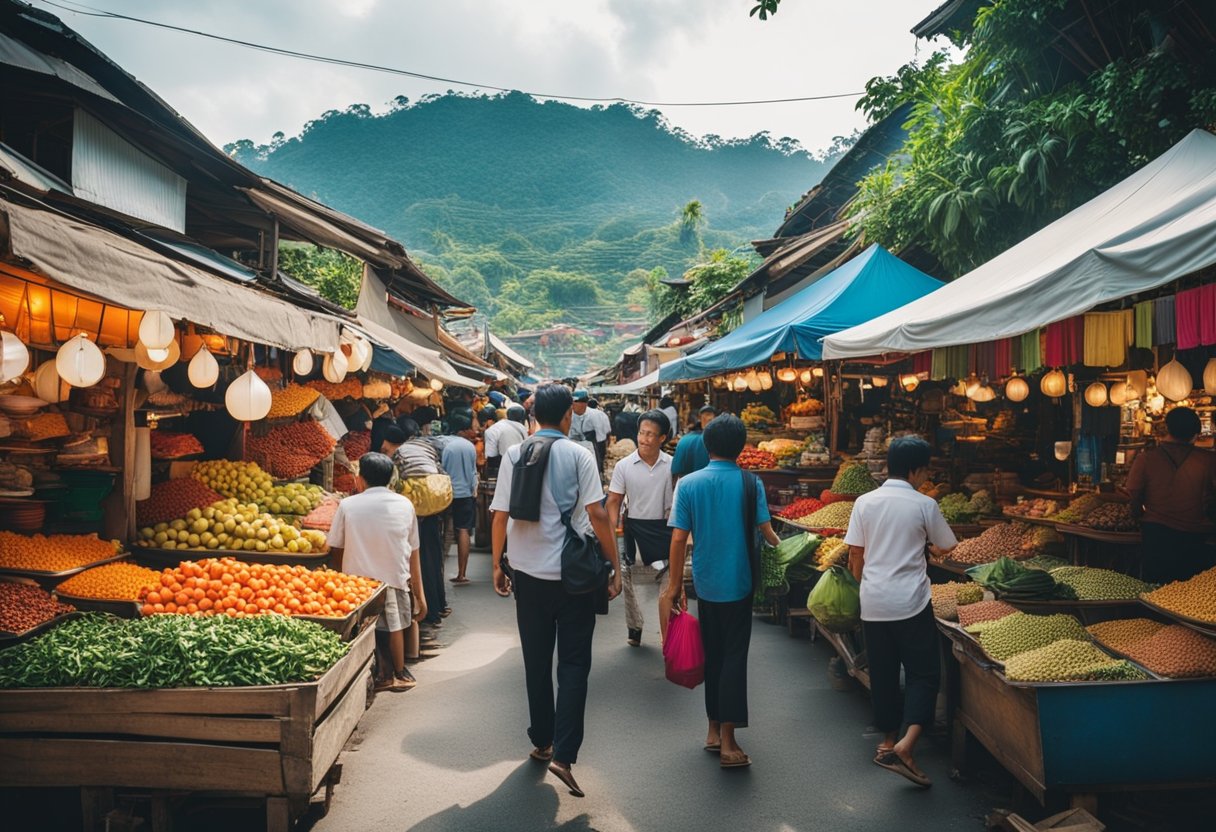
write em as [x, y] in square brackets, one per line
[14, 357]
[1016, 389]
[983, 393]
[817, 372]
[787, 374]
[909, 382]
[248, 398]
[1174, 382]
[1062, 450]
[805, 376]
[79, 362]
[766, 380]
[740, 383]
[1054, 384]
[436, 385]
[203, 370]
[334, 367]
[158, 359]
[156, 330]
[1095, 394]
[879, 381]
[48, 386]
[302, 363]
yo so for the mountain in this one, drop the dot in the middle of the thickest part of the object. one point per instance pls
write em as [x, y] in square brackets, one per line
[540, 212]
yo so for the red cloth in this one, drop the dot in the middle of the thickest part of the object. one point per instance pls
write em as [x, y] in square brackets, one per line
[922, 362]
[1065, 343]
[1207, 314]
[1187, 308]
[1004, 356]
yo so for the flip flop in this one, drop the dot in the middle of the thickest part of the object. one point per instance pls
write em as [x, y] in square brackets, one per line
[893, 762]
[460, 581]
[734, 759]
[544, 755]
[567, 777]
[713, 749]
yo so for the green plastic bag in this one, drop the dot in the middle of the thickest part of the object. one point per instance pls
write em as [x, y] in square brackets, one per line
[836, 600]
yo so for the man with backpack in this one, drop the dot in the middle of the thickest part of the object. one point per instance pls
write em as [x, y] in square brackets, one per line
[561, 486]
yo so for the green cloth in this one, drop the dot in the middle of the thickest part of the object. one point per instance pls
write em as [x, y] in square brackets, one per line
[1032, 356]
[1144, 325]
[950, 362]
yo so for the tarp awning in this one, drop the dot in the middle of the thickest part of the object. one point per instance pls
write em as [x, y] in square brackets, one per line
[110, 266]
[1154, 227]
[638, 385]
[873, 282]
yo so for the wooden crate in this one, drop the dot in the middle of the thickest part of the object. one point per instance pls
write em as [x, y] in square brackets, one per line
[277, 741]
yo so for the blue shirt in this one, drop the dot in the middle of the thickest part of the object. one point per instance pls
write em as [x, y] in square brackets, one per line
[460, 462]
[709, 503]
[690, 454]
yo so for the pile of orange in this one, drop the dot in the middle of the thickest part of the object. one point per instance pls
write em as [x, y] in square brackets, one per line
[53, 553]
[230, 587]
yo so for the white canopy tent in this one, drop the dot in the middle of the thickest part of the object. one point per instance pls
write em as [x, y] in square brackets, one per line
[1154, 227]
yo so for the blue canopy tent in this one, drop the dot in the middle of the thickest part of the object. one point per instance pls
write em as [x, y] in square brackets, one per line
[871, 284]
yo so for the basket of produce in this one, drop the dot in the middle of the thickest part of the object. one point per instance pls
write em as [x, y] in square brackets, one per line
[26, 610]
[169, 445]
[111, 587]
[430, 494]
[786, 452]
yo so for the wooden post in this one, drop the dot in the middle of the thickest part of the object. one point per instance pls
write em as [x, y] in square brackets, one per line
[119, 518]
[274, 250]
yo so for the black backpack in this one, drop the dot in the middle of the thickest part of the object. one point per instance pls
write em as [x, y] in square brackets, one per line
[528, 477]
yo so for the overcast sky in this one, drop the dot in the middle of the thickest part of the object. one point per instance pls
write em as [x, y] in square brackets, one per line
[668, 50]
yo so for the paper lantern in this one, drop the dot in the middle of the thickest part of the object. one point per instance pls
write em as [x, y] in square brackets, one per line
[909, 382]
[805, 376]
[302, 363]
[740, 383]
[360, 353]
[971, 385]
[1174, 382]
[436, 385]
[983, 393]
[1137, 380]
[1054, 384]
[203, 370]
[879, 381]
[1062, 450]
[14, 357]
[248, 398]
[79, 362]
[48, 386]
[157, 359]
[156, 330]
[1016, 389]
[817, 372]
[787, 374]
[334, 367]
[1095, 394]
[1121, 392]
[1209, 377]
[766, 381]
[753, 382]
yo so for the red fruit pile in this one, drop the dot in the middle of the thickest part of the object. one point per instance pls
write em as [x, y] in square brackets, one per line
[291, 450]
[356, 444]
[800, 508]
[24, 606]
[172, 499]
[754, 458]
[347, 483]
[169, 445]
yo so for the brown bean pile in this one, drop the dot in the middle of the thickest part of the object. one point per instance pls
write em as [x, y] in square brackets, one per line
[1004, 540]
[1124, 633]
[23, 606]
[1177, 652]
[1110, 517]
[984, 611]
[1194, 598]
[291, 450]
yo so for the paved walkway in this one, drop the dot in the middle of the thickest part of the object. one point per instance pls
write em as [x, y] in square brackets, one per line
[452, 753]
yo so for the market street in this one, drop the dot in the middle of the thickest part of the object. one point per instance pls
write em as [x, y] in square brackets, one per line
[452, 753]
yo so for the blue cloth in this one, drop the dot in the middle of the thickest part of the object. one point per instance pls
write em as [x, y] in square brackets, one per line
[871, 284]
[690, 454]
[709, 503]
[460, 461]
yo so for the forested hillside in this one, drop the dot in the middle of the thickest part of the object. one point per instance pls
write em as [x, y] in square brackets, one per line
[541, 212]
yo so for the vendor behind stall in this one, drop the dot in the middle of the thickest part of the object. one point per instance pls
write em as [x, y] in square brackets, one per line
[1172, 488]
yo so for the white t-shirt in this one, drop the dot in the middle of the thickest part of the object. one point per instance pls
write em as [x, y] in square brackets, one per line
[647, 489]
[536, 548]
[893, 523]
[377, 532]
[674, 417]
[603, 424]
[502, 435]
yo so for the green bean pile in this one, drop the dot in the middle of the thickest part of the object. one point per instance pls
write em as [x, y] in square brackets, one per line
[164, 651]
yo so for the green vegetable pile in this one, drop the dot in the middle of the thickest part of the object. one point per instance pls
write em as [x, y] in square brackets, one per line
[832, 516]
[958, 508]
[776, 560]
[1069, 660]
[853, 478]
[1017, 633]
[1044, 562]
[1013, 581]
[1092, 584]
[165, 651]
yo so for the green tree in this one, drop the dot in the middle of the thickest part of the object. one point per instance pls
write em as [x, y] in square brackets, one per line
[692, 218]
[336, 276]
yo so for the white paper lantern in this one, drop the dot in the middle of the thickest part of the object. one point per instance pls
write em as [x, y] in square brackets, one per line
[1095, 394]
[1016, 389]
[1054, 384]
[156, 330]
[48, 386]
[334, 367]
[1209, 377]
[972, 384]
[1174, 382]
[983, 393]
[248, 398]
[753, 382]
[805, 377]
[360, 352]
[14, 357]
[79, 362]
[203, 370]
[766, 380]
[1121, 392]
[787, 374]
[740, 383]
[436, 385]
[367, 362]
[157, 359]
[302, 363]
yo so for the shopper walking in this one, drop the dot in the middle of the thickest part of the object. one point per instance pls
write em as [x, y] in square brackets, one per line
[504, 435]
[459, 459]
[418, 457]
[690, 450]
[545, 612]
[375, 534]
[722, 507]
[1172, 487]
[586, 429]
[642, 483]
[888, 533]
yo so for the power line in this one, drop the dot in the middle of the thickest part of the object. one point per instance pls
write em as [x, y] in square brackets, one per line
[91, 11]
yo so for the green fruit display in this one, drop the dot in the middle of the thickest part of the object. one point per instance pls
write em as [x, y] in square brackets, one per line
[853, 478]
[248, 483]
[232, 525]
[1068, 660]
[1020, 632]
[1091, 584]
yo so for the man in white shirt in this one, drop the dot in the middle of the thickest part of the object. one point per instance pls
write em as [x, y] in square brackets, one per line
[587, 430]
[603, 431]
[642, 481]
[375, 534]
[544, 611]
[888, 533]
[504, 435]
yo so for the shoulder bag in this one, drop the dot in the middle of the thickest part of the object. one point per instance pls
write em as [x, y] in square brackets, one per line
[751, 535]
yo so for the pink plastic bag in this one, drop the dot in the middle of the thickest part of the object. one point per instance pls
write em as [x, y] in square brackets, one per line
[683, 652]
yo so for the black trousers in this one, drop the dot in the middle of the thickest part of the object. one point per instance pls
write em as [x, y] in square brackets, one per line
[726, 634]
[1171, 555]
[430, 557]
[912, 643]
[546, 613]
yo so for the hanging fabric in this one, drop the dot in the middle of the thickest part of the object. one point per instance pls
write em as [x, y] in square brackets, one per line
[1002, 357]
[922, 362]
[1107, 336]
[937, 365]
[1186, 318]
[983, 360]
[1144, 325]
[1065, 342]
[1164, 329]
[1031, 348]
[1207, 314]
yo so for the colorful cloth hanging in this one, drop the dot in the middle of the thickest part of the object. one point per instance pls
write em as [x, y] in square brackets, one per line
[1065, 343]
[1031, 349]
[1207, 314]
[1144, 325]
[922, 362]
[949, 362]
[1164, 329]
[1186, 318]
[1003, 350]
[1107, 336]
[982, 360]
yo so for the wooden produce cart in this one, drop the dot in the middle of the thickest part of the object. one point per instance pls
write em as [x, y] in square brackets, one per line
[276, 742]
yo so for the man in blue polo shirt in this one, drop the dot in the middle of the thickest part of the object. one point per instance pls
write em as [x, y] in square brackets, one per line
[710, 505]
[690, 452]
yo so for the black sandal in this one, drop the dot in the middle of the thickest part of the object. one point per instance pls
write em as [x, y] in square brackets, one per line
[567, 777]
